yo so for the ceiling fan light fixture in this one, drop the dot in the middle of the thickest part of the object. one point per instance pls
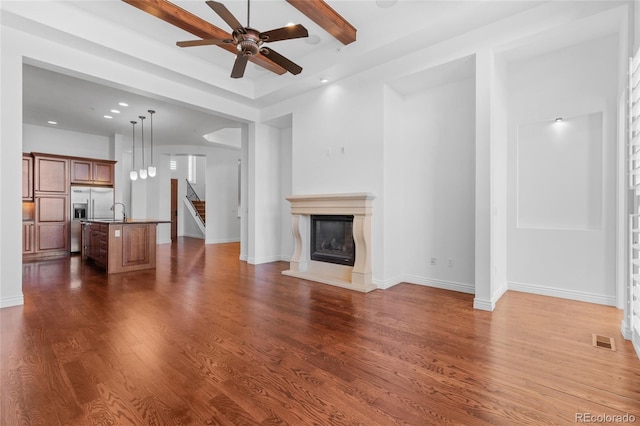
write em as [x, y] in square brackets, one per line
[248, 41]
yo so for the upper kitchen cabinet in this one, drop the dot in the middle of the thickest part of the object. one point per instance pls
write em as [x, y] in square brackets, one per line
[92, 172]
[27, 177]
[51, 174]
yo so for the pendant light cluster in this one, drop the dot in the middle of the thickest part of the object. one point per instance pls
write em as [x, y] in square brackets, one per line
[144, 171]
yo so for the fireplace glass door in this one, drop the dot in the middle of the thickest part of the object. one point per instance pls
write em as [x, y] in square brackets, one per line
[332, 239]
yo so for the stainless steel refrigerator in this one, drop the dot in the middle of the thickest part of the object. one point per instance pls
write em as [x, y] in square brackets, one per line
[88, 203]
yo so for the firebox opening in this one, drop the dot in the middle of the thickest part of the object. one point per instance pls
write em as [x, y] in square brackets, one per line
[332, 239]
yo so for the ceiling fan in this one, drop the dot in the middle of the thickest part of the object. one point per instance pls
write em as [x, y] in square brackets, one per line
[249, 41]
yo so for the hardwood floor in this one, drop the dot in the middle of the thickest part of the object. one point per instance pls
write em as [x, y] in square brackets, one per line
[207, 339]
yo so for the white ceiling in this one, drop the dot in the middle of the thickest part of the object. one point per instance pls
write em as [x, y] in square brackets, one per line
[127, 34]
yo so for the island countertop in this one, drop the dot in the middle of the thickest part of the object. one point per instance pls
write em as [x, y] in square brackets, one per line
[120, 246]
[128, 221]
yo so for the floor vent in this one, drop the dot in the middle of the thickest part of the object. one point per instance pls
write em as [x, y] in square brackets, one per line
[604, 342]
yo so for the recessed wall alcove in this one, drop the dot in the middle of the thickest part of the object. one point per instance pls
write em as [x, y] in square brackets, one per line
[360, 206]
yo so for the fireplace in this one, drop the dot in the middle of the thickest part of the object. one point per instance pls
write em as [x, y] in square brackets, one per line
[332, 239]
[332, 235]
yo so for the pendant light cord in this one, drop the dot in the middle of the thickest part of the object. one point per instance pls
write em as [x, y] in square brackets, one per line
[133, 149]
[151, 112]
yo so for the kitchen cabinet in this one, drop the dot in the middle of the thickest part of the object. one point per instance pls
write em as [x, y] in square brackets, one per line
[46, 188]
[27, 177]
[92, 172]
[28, 237]
[95, 243]
[51, 174]
[120, 246]
[51, 225]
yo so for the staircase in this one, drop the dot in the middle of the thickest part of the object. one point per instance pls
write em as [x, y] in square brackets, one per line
[196, 206]
[200, 209]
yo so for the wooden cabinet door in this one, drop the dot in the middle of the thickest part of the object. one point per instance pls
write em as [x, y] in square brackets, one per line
[82, 171]
[52, 224]
[28, 234]
[91, 172]
[103, 173]
[52, 209]
[135, 245]
[52, 237]
[51, 175]
[27, 177]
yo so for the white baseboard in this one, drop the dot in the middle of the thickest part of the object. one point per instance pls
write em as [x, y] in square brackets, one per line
[445, 285]
[243, 257]
[198, 236]
[7, 302]
[223, 241]
[388, 283]
[484, 304]
[581, 296]
[266, 259]
[625, 329]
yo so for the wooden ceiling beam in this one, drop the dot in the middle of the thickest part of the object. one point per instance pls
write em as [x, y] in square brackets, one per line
[322, 14]
[197, 26]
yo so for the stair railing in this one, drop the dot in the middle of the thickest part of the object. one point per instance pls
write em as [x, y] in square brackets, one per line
[193, 196]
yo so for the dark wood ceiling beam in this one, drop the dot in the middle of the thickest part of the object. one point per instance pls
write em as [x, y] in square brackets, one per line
[197, 26]
[322, 14]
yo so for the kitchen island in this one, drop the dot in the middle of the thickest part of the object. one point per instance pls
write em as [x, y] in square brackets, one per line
[120, 246]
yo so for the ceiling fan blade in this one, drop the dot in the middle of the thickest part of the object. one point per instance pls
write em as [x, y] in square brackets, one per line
[206, 42]
[224, 13]
[285, 63]
[239, 65]
[285, 33]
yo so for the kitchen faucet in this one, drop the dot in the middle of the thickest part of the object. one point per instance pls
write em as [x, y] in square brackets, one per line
[124, 211]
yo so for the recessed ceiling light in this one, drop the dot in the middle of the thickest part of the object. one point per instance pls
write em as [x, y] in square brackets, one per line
[123, 104]
[559, 120]
[108, 116]
[115, 111]
[290, 24]
[312, 39]
[52, 122]
[324, 80]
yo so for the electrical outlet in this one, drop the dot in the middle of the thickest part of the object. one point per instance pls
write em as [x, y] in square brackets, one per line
[450, 262]
[433, 260]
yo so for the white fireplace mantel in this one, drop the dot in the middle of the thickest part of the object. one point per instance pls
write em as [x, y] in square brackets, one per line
[360, 205]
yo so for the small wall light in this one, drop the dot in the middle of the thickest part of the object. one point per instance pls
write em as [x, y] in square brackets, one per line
[559, 120]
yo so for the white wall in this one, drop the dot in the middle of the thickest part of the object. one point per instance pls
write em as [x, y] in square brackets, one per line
[286, 233]
[64, 142]
[437, 187]
[223, 223]
[393, 214]
[337, 147]
[568, 260]
[264, 198]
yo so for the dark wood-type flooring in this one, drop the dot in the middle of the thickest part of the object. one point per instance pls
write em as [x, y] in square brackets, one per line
[207, 339]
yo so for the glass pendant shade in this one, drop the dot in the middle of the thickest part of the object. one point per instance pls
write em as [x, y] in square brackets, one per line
[133, 175]
[143, 173]
[152, 171]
